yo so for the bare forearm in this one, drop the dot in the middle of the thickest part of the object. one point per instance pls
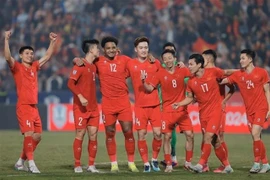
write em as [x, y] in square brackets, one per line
[7, 53]
[148, 87]
[230, 93]
[186, 101]
[228, 72]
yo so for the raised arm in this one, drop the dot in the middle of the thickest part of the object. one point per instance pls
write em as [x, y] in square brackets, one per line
[267, 95]
[10, 60]
[49, 51]
[148, 87]
[189, 99]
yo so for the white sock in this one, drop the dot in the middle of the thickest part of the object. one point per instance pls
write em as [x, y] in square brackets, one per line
[130, 163]
[114, 163]
[20, 161]
[31, 163]
[147, 164]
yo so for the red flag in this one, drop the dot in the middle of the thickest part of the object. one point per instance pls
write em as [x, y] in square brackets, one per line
[161, 4]
[201, 45]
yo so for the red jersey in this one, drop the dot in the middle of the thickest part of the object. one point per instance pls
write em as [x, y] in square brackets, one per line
[222, 88]
[85, 77]
[251, 88]
[173, 87]
[112, 76]
[26, 80]
[207, 92]
[142, 97]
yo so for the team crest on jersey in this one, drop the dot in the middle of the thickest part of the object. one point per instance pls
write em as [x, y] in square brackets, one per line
[243, 78]
[74, 72]
[135, 67]
[195, 82]
[32, 73]
[88, 70]
[105, 62]
[165, 77]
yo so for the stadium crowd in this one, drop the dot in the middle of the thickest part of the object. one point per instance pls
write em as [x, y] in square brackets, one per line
[228, 26]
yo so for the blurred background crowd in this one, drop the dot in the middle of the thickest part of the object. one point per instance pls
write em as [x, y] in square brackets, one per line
[228, 26]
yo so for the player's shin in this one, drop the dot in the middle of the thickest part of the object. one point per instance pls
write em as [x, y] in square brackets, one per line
[111, 146]
[77, 151]
[130, 145]
[92, 152]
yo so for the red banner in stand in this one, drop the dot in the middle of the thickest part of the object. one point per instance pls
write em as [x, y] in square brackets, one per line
[60, 118]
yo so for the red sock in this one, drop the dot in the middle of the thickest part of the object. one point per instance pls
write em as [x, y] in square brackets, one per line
[77, 151]
[168, 159]
[143, 149]
[263, 154]
[130, 145]
[189, 155]
[156, 145]
[92, 152]
[111, 145]
[224, 145]
[205, 154]
[257, 151]
[202, 151]
[28, 147]
[35, 143]
[221, 155]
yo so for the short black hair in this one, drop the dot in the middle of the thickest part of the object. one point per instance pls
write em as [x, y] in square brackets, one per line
[198, 59]
[249, 53]
[24, 48]
[168, 51]
[140, 39]
[168, 44]
[210, 52]
[88, 43]
[108, 39]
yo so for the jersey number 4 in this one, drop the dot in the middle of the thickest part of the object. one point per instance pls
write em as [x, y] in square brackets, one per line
[250, 84]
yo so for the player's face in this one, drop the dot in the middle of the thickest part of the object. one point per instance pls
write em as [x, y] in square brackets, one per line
[110, 49]
[27, 56]
[168, 60]
[142, 50]
[193, 66]
[169, 47]
[95, 50]
[245, 60]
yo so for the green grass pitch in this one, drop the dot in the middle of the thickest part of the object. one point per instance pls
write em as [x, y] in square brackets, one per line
[54, 158]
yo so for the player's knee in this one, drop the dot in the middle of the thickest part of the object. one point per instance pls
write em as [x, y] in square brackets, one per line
[28, 133]
[141, 134]
[80, 133]
[129, 135]
[167, 137]
[36, 137]
[110, 134]
[189, 136]
[256, 135]
[157, 135]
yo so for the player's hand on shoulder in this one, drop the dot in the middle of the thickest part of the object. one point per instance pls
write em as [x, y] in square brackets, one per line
[78, 61]
[151, 58]
[53, 36]
[181, 64]
[7, 35]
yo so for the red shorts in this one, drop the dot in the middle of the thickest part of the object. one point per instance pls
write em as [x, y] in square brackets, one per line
[116, 109]
[258, 118]
[82, 119]
[212, 123]
[222, 122]
[171, 119]
[28, 117]
[145, 114]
